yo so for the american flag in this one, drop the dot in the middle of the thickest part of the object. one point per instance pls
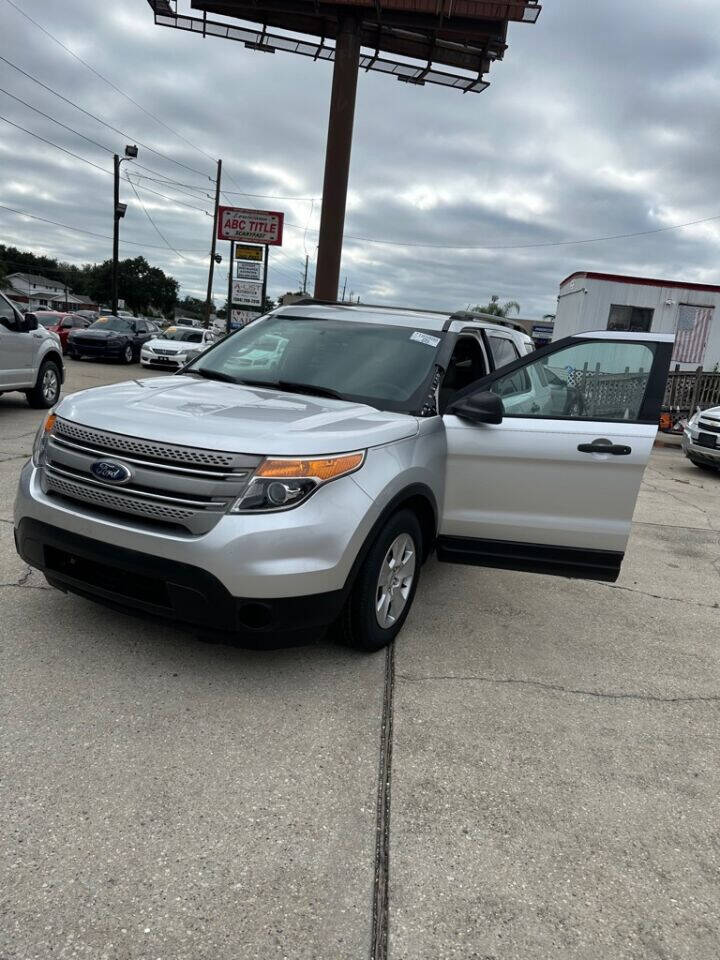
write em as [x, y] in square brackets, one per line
[691, 335]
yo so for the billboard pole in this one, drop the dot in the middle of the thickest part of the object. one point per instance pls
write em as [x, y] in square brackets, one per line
[228, 315]
[208, 299]
[263, 295]
[337, 157]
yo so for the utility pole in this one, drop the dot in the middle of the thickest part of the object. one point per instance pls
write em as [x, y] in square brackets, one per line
[307, 259]
[116, 234]
[337, 157]
[131, 152]
[228, 316]
[344, 289]
[208, 299]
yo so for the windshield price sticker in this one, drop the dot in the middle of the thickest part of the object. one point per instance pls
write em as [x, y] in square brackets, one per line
[425, 338]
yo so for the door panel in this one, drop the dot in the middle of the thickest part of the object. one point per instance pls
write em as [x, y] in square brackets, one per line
[15, 357]
[523, 494]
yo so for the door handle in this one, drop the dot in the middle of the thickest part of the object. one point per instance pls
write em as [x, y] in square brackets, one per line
[601, 445]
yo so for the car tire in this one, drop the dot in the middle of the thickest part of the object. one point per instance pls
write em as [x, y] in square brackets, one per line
[46, 392]
[703, 465]
[380, 599]
[128, 354]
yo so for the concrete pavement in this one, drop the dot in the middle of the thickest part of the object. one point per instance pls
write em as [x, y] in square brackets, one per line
[554, 776]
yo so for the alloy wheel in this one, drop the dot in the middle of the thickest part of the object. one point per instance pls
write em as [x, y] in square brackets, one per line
[395, 580]
[50, 385]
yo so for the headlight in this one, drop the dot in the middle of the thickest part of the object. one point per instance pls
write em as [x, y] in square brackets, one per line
[41, 439]
[279, 484]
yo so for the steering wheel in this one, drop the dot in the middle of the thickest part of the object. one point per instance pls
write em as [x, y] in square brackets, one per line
[387, 387]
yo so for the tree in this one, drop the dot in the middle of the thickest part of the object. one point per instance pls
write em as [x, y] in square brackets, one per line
[497, 309]
[140, 285]
[193, 306]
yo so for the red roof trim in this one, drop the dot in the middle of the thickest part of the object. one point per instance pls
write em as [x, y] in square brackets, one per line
[643, 281]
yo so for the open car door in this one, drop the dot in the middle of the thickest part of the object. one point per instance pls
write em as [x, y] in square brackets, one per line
[546, 455]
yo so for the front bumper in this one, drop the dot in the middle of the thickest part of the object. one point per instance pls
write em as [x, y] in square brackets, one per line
[167, 363]
[698, 451]
[171, 590]
[293, 565]
[103, 351]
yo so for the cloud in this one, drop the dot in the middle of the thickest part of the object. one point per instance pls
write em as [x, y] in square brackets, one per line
[601, 120]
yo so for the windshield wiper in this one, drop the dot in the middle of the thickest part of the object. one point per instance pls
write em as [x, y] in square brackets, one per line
[311, 388]
[212, 375]
[292, 387]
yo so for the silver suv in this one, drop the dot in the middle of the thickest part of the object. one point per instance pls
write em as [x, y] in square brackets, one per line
[299, 472]
[30, 357]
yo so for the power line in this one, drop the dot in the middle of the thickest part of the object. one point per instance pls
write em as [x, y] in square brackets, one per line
[110, 83]
[155, 226]
[63, 125]
[57, 146]
[87, 113]
[92, 164]
[89, 233]
[516, 246]
[173, 199]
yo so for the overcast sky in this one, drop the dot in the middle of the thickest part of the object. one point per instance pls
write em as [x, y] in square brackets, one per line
[603, 119]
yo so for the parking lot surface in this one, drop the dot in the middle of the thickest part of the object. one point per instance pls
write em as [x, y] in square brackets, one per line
[554, 783]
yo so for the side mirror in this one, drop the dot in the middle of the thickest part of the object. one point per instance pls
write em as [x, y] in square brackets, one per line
[31, 322]
[479, 408]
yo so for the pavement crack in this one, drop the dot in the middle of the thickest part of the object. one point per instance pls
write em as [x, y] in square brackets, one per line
[685, 503]
[659, 596]
[380, 913]
[557, 688]
[14, 456]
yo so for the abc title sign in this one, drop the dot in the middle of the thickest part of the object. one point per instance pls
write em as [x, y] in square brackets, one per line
[253, 226]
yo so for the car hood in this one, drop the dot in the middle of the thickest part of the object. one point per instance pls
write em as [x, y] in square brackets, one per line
[227, 416]
[97, 334]
[174, 346]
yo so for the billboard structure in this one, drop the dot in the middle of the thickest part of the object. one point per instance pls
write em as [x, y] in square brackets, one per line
[451, 43]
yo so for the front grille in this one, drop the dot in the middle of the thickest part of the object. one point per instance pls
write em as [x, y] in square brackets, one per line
[710, 427]
[120, 444]
[115, 501]
[187, 487]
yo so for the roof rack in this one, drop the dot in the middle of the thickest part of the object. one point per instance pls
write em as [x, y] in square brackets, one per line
[369, 306]
[491, 318]
[450, 314]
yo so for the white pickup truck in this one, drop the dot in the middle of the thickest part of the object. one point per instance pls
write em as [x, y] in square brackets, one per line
[30, 357]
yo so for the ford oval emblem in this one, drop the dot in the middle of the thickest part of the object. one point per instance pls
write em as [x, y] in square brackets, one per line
[110, 472]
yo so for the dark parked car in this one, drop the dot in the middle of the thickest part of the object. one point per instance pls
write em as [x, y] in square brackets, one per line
[60, 323]
[110, 338]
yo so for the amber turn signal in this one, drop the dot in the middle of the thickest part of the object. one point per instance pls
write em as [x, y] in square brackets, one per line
[322, 469]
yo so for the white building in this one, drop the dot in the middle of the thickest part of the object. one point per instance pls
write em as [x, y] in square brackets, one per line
[604, 301]
[32, 292]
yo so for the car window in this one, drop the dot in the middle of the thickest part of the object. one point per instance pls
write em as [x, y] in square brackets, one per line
[503, 350]
[194, 337]
[67, 324]
[140, 326]
[593, 380]
[6, 311]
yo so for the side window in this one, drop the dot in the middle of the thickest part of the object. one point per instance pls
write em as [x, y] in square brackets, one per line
[503, 350]
[67, 324]
[466, 365]
[593, 380]
[7, 314]
[140, 326]
[194, 338]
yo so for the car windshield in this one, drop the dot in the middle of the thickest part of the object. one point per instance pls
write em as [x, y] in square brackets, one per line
[111, 323]
[48, 319]
[181, 333]
[388, 367]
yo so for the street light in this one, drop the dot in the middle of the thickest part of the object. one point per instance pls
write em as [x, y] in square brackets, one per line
[131, 152]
